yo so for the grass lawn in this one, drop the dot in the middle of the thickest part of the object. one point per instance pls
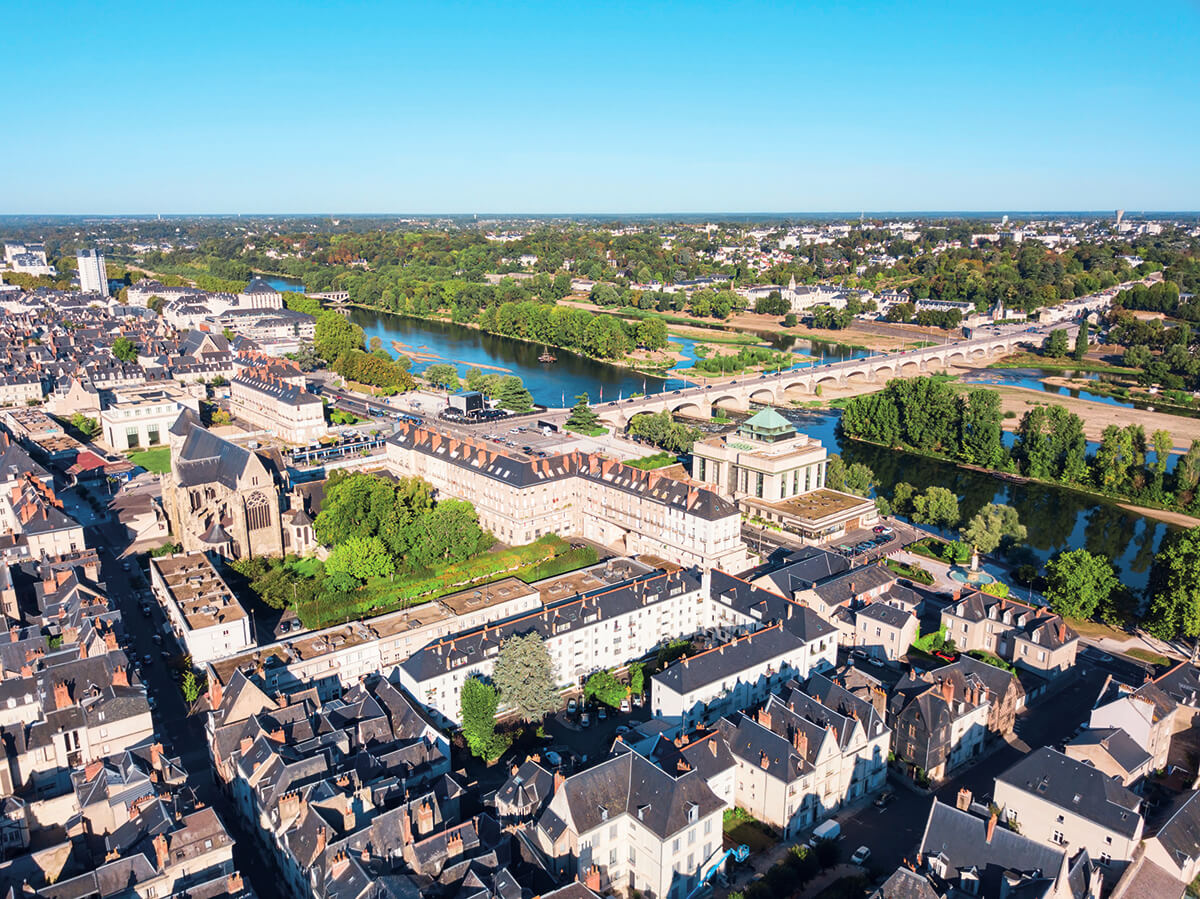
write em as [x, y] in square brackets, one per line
[1146, 655]
[658, 460]
[306, 567]
[157, 460]
[1089, 628]
[587, 432]
[912, 572]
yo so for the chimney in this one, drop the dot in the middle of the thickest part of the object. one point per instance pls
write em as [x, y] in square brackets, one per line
[764, 717]
[559, 780]
[246, 744]
[514, 769]
[991, 827]
[14, 633]
[120, 677]
[233, 884]
[156, 751]
[1062, 632]
[592, 879]
[964, 800]
[454, 846]
[340, 862]
[215, 692]
[800, 743]
[948, 690]
[682, 767]
[712, 746]
[110, 641]
[276, 735]
[160, 851]
[92, 769]
[424, 819]
[62, 695]
[289, 806]
[321, 836]
[764, 760]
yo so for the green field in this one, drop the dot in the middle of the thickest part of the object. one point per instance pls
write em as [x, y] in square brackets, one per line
[157, 460]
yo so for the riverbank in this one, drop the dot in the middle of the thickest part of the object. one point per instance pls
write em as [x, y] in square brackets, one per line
[1096, 416]
[1089, 364]
[1158, 513]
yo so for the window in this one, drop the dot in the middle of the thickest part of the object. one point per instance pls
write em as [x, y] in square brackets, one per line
[1057, 837]
[258, 512]
[132, 437]
[152, 437]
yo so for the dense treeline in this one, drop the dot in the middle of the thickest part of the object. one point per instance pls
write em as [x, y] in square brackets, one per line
[603, 336]
[928, 415]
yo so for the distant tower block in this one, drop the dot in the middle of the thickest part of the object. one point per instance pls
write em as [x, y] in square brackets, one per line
[1120, 215]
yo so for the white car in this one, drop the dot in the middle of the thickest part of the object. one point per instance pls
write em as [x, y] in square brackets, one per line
[860, 856]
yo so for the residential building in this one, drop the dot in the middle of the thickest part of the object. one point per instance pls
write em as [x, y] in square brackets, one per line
[775, 473]
[1027, 636]
[266, 401]
[1112, 751]
[939, 723]
[965, 854]
[805, 754]
[626, 824]
[884, 631]
[93, 276]
[583, 634]
[574, 494]
[260, 295]
[1063, 802]
[743, 671]
[139, 417]
[1176, 845]
[1146, 714]
[207, 618]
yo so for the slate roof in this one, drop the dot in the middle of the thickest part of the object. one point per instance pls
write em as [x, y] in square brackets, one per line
[1119, 746]
[765, 606]
[1180, 836]
[1182, 683]
[806, 567]
[631, 784]
[492, 463]
[1077, 787]
[728, 661]
[906, 884]
[850, 584]
[885, 614]
[960, 839]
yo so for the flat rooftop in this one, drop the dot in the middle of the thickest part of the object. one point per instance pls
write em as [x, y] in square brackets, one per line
[819, 504]
[604, 574]
[203, 597]
[487, 595]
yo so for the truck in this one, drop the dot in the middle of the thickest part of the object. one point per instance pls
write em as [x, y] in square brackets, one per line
[827, 830]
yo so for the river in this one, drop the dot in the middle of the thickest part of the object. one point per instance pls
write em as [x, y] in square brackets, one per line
[1056, 519]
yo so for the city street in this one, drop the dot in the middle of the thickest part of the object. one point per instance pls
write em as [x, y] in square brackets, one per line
[181, 735]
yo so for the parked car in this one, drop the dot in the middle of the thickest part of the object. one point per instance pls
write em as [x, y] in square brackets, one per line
[882, 800]
[572, 706]
[625, 705]
[602, 713]
[585, 719]
[860, 856]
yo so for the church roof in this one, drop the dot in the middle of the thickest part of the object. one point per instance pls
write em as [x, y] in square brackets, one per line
[215, 535]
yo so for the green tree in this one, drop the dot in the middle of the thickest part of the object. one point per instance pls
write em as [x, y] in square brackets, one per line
[190, 686]
[991, 525]
[937, 506]
[362, 558]
[1078, 583]
[637, 679]
[86, 426]
[524, 675]
[1174, 587]
[512, 394]
[1081, 342]
[981, 428]
[442, 374]
[902, 498]
[652, 332]
[1136, 356]
[1056, 344]
[582, 417]
[478, 702]
[124, 349]
[450, 533]
[336, 336]
[604, 686]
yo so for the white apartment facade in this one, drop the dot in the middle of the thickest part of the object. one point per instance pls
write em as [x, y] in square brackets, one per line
[140, 417]
[93, 276]
[203, 612]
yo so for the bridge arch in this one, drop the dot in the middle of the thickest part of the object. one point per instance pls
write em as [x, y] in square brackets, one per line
[731, 402]
[764, 396]
[691, 409]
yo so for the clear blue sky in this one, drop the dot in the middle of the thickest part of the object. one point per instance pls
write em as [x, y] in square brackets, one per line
[600, 107]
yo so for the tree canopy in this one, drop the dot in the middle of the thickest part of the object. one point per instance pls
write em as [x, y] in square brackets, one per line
[524, 675]
[991, 525]
[1078, 583]
[1174, 587]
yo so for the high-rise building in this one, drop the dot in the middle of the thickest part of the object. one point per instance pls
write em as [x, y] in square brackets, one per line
[93, 278]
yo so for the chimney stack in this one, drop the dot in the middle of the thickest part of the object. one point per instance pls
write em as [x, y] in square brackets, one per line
[62, 695]
[160, 851]
[424, 819]
[964, 800]
[991, 827]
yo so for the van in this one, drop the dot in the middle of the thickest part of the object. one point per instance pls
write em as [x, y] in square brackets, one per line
[828, 830]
